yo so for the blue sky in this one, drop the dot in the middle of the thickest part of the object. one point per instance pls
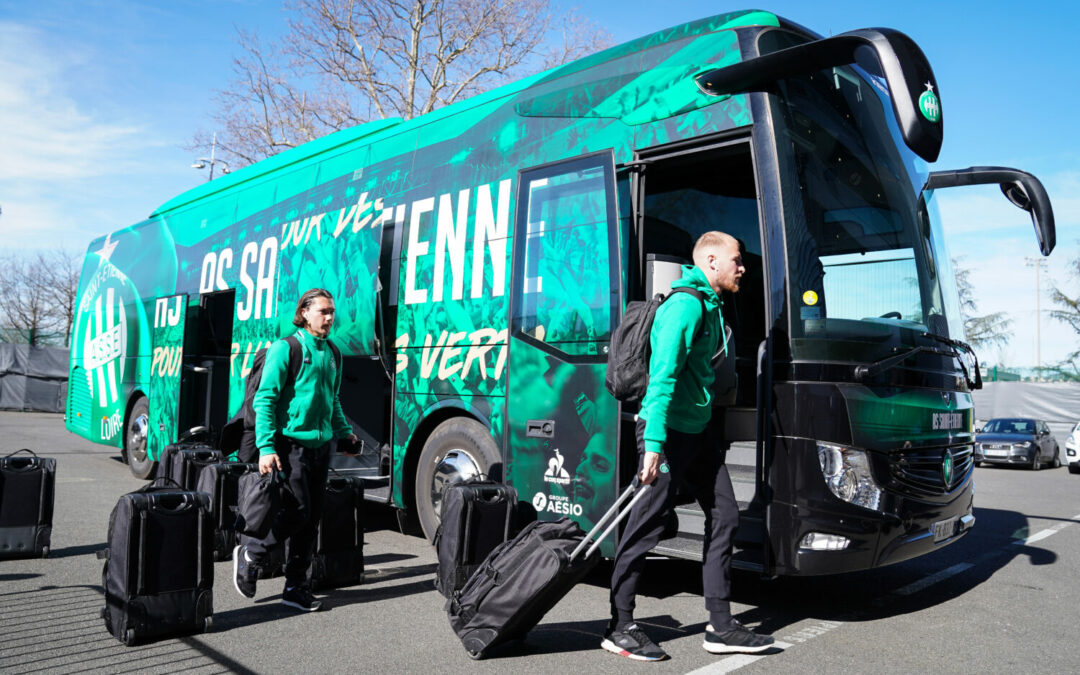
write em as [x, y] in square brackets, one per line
[98, 98]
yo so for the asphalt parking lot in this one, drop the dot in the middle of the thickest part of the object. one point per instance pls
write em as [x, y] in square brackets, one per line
[1001, 600]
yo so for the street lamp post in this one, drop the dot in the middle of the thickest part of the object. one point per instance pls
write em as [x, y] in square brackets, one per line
[1038, 264]
[203, 162]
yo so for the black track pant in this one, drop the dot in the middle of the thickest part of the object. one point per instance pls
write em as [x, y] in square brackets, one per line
[301, 508]
[700, 464]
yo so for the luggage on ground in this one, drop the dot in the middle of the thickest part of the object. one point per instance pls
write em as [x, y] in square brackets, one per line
[158, 574]
[26, 504]
[222, 482]
[184, 462]
[477, 516]
[522, 579]
[627, 374]
[338, 559]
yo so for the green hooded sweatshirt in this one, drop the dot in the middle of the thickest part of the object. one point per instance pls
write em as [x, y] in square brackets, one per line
[679, 394]
[309, 412]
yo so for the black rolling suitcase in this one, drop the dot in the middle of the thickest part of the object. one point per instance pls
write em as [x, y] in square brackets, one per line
[338, 559]
[477, 516]
[26, 505]
[525, 577]
[184, 462]
[158, 574]
[222, 482]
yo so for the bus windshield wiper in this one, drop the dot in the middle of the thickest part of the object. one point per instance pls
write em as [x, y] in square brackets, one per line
[877, 367]
[957, 344]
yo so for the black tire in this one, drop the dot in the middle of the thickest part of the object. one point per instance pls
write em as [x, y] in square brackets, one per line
[461, 441]
[1036, 463]
[1074, 467]
[129, 637]
[977, 464]
[135, 438]
[1056, 464]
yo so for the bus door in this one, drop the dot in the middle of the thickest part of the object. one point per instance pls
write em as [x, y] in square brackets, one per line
[685, 191]
[204, 387]
[166, 367]
[561, 423]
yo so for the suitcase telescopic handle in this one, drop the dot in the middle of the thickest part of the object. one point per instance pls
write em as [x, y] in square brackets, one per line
[615, 514]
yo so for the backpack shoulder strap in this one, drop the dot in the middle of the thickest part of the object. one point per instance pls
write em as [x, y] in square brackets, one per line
[701, 299]
[335, 351]
[296, 357]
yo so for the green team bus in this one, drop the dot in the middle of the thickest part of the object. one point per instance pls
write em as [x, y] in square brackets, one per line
[482, 254]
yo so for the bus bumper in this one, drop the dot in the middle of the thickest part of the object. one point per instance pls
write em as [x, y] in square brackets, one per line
[913, 528]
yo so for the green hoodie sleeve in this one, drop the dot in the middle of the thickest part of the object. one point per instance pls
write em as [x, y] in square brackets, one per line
[671, 337]
[274, 375]
[337, 418]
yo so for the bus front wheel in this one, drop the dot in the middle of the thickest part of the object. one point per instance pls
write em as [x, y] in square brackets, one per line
[458, 449]
[135, 440]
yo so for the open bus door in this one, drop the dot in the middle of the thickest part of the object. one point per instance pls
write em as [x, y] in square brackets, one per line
[683, 191]
[561, 424]
[166, 368]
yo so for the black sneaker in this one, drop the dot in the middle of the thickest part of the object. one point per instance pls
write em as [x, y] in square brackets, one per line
[245, 572]
[735, 640]
[300, 598]
[633, 643]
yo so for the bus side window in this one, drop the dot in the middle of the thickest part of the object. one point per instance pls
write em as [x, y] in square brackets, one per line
[567, 256]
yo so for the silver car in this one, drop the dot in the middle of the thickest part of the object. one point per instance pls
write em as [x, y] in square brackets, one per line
[1019, 441]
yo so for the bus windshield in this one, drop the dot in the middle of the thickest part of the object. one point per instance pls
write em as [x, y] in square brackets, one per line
[867, 266]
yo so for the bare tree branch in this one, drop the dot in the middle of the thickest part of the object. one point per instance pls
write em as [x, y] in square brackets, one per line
[346, 62]
[37, 297]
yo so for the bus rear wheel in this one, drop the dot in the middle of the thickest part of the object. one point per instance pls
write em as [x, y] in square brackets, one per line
[136, 433]
[458, 449]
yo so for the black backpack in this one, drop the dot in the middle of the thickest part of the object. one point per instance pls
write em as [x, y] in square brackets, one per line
[238, 434]
[628, 360]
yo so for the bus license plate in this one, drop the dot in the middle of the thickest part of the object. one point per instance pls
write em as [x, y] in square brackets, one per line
[943, 529]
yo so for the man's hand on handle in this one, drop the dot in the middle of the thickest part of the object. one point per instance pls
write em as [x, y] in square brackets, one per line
[650, 468]
[268, 463]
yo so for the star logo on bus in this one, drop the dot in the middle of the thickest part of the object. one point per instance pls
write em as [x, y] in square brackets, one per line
[107, 247]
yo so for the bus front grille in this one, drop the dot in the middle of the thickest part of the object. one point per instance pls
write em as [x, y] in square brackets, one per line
[923, 470]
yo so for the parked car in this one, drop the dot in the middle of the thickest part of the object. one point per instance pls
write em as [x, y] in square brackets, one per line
[1072, 449]
[1017, 440]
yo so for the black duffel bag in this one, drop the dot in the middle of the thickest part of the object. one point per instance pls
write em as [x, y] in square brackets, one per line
[258, 503]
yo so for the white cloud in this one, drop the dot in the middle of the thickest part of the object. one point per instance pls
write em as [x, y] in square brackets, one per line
[44, 133]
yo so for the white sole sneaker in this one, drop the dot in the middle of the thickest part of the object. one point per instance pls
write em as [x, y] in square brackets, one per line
[616, 649]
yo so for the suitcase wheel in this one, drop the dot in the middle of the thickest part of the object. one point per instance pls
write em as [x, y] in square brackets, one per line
[475, 656]
[208, 623]
[45, 552]
[129, 637]
[102, 613]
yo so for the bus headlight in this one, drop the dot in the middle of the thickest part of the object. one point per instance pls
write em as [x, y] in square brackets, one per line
[847, 473]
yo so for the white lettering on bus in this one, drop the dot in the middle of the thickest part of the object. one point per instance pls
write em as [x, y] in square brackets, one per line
[489, 233]
[166, 361]
[417, 248]
[163, 315]
[445, 352]
[492, 233]
[258, 296]
[450, 237]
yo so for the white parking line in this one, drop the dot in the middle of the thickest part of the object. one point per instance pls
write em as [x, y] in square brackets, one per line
[937, 577]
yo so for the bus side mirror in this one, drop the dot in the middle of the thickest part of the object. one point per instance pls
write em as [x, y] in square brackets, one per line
[907, 73]
[1019, 187]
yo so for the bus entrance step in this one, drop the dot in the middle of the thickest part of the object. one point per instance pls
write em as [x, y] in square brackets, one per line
[688, 547]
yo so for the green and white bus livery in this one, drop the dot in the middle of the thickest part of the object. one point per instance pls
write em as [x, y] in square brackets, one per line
[480, 257]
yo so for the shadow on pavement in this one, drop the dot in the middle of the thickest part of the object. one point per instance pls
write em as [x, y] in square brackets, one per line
[869, 595]
[69, 551]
